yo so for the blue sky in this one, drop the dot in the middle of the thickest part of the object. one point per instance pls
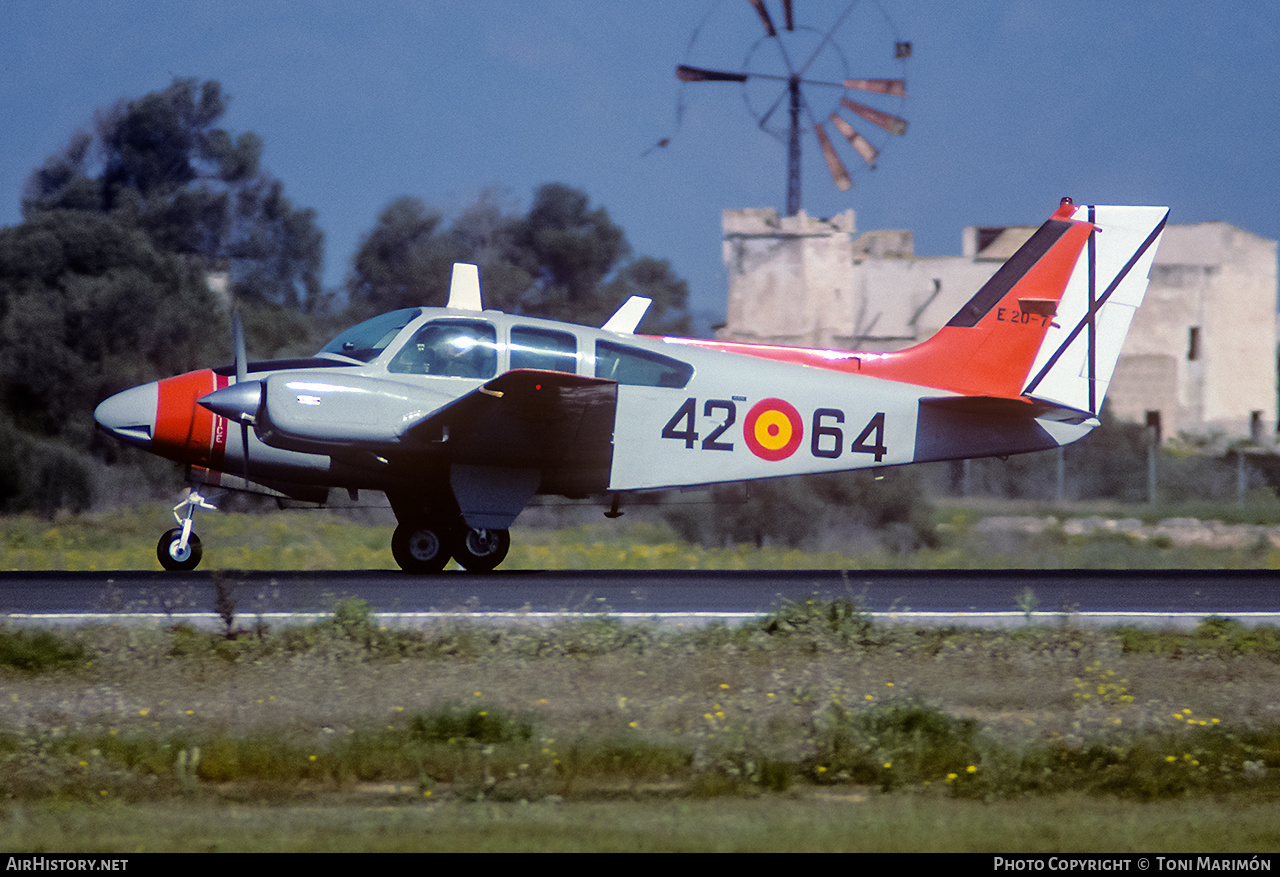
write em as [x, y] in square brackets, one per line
[1012, 104]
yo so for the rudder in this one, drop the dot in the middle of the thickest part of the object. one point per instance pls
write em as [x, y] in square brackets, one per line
[1076, 360]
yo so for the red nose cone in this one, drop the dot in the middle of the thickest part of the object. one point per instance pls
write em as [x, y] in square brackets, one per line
[185, 431]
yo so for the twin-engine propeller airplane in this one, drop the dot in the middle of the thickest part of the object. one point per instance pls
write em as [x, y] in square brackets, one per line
[462, 415]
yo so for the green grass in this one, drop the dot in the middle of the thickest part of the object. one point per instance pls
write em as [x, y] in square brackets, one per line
[812, 710]
[821, 822]
[813, 728]
[321, 540]
[1260, 507]
[38, 650]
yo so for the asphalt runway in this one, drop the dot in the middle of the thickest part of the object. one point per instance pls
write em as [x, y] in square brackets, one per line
[1251, 595]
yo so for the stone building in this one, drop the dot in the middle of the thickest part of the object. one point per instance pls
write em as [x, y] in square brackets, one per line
[1200, 359]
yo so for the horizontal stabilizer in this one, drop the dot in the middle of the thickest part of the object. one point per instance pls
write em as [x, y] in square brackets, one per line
[1001, 406]
[963, 427]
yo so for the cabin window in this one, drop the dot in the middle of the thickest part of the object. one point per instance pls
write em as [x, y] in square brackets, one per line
[631, 365]
[544, 349]
[366, 340]
[449, 348]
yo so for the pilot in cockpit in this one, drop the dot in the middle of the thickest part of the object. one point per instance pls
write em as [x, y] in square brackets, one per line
[459, 354]
[449, 350]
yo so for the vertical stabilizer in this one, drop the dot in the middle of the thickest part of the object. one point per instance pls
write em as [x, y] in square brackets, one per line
[1074, 365]
[989, 346]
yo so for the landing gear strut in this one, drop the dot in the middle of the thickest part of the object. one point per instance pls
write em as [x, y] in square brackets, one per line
[179, 549]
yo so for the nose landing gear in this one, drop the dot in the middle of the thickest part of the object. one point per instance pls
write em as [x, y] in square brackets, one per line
[421, 544]
[174, 555]
[179, 549]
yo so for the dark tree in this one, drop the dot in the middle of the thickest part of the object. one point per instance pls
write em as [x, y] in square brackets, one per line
[90, 306]
[563, 260]
[160, 163]
[573, 247]
[107, 282]
[402, 262]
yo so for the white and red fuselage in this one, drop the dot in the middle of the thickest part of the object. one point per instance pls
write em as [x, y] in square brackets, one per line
[494, 408]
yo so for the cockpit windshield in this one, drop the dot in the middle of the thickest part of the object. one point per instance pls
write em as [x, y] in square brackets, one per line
[366, 340]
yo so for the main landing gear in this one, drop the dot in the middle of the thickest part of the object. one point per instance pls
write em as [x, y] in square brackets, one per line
[426, 546]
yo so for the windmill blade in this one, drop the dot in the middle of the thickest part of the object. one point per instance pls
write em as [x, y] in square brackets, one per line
[895, 87]
[860, 144]
[892, 124]
[685, 73]
[786, 11]
[838, 173]
[764, 18]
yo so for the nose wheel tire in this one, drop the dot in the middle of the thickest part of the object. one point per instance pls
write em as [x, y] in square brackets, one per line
[175, 559]
[481, 550]
[420, 548]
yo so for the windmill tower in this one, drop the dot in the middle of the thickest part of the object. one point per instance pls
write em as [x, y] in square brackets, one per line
[798, 77]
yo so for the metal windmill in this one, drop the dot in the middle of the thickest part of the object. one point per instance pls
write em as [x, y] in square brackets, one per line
[787, 72]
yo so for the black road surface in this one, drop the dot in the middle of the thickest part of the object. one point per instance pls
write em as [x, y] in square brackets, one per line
[1166, 591]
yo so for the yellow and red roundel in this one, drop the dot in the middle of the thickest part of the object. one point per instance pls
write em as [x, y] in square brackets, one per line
[773, 429]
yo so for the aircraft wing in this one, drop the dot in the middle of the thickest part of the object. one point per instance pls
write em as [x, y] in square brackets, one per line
[558, 424]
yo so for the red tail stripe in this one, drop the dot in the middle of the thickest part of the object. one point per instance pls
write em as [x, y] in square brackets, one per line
[990, 356]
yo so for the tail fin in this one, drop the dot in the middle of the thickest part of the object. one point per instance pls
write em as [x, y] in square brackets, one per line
[1074, 364]
[1049, 324]
[1057, 400]
[989, 346]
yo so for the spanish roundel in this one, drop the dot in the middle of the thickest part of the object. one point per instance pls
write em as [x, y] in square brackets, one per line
[773, 429]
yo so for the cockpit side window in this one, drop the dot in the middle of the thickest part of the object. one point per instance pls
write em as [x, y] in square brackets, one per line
[544, 349]
[449, 348]
[366, 340]
[631, 365]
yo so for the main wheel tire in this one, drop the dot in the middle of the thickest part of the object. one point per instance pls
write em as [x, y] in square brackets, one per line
[420, 548]
[481, 550]
[174, 560]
